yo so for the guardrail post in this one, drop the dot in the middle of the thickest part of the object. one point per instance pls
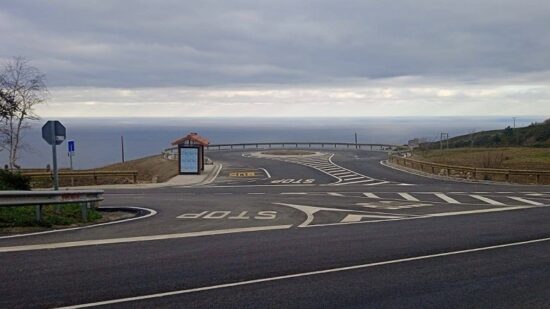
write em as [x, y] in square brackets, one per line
[134, 175]
[84, 211]
[474, 176]
[508, 175]
[538, 179]
[38, 211]
[95, 179]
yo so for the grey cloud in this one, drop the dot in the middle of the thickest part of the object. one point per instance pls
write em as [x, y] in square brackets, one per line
[205, 43]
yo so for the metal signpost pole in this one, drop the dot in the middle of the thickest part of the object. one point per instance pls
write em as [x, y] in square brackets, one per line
[54, 156]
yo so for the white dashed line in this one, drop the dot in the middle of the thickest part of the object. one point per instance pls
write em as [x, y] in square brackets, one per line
[408, 197]
[486, 200]
[519, 199]
[447, 198]
[371, 195]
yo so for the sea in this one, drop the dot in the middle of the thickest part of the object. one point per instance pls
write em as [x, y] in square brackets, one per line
[98, 140]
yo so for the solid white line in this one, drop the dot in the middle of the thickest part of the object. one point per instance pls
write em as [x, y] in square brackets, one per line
[151, 213]
[311, 273]
[409, 197]
[486, 199]
[256, 193]
[376, 183]
[139, 238]
[351, 182]
[215, 176]
[266, 172]
[519, 199]
[293, 193]
[447, 198]
[335, 194]
[371, 195]
[479, 211]
[354, 178]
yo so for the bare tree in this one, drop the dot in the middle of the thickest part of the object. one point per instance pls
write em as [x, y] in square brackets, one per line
[21, 88]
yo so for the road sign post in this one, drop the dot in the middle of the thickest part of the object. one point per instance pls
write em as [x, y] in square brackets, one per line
[71, 151]
[54, 133]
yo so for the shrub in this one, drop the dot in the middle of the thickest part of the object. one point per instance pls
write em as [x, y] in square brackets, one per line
[14, 181]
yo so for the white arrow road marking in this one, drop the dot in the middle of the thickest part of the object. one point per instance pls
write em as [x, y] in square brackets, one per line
[357, 218]
[519, 199]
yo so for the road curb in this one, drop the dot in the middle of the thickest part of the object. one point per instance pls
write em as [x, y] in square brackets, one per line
[386, 163]
[142, 213]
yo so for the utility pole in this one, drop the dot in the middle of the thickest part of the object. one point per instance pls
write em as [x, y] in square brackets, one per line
[122, 147]
[443, 136]
[355, 140]
[472, 138]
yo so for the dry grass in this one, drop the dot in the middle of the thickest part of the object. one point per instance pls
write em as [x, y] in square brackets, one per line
[147, 168]
[507, 158]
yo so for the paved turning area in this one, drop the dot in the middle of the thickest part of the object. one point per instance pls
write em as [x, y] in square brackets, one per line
[333, 229]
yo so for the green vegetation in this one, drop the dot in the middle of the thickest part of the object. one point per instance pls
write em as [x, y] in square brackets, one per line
[51, 216]
[13, 181]
[534, 135]
[501, 157]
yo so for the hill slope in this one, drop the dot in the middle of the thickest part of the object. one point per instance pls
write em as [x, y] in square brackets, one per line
[534, 135]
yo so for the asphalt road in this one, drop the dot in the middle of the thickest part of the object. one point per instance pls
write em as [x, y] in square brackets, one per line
[336, 229]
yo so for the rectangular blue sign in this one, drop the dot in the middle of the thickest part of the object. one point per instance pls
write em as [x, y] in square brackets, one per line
[70, 146]
[189, 160]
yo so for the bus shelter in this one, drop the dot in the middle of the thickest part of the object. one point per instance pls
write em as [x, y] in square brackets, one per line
[191, 153]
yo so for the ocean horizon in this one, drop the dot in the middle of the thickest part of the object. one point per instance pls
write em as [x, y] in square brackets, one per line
[98, 140]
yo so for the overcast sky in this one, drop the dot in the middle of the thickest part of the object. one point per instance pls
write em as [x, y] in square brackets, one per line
[285, 58]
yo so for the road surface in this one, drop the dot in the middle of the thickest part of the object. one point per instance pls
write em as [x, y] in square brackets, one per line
[335, 229]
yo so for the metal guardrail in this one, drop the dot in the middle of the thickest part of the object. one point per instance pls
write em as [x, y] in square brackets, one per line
[466, 171]
[171, 153]
[86, 199]
[76, 174]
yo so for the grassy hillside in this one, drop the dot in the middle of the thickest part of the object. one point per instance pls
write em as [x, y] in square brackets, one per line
[147, 168]
[504, 157]
[534, 135]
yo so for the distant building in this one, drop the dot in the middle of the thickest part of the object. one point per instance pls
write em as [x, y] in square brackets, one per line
[415, 142]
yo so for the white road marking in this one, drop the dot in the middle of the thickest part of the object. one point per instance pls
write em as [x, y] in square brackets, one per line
[139, 238]
[357, 218]
[293, 193]
[307, 274]
[447, 198]
[351, 182]
[478, 211]
[377, 183]
[519, 199]
[371, 195]
[256, 193]
[486, 200]
[215, 176]
[354, 178]
[266, 172]
[335, 194]
[409, 197]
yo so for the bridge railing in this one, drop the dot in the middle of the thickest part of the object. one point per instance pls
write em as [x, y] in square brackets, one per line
[465, 172]
[171, 153]
[85, 198]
